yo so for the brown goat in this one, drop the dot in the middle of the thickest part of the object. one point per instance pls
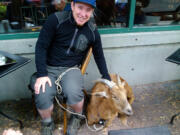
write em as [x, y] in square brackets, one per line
[110, 99]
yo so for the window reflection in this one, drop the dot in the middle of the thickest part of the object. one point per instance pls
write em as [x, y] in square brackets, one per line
[27, 15]
[157, 12]
[30, 15]
[112, 13]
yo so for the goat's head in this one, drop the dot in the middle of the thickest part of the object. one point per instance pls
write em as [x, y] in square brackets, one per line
[117, 93]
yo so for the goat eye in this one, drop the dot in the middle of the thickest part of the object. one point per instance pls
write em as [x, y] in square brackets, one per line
[114, 97]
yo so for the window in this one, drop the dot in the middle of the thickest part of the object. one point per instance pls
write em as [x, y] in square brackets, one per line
[144, 16]
[111, 13]
[157, 12]
[27, 15]
[111, 16]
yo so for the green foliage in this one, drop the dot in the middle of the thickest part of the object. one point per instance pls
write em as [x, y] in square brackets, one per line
[3, 10]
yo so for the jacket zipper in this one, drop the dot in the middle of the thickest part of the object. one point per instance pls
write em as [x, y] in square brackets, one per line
[72, 42]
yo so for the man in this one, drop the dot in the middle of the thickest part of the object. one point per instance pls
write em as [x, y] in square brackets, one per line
[62, 44]
[59, 4]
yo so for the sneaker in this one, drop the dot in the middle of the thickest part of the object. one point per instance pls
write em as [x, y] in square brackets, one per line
[73, 125]
[47, 128]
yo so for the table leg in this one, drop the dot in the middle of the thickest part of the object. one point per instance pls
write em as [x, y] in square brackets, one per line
[173, 117]
[11, 118]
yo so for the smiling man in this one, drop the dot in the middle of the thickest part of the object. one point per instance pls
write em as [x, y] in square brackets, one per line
[62, 45]
[82, 11]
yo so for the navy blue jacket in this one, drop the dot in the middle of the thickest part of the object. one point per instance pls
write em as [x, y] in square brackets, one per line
[62, 43]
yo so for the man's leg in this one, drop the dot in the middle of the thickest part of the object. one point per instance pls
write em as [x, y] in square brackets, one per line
[44, 104]
[78, 108]
[72, 85]
[46, 113]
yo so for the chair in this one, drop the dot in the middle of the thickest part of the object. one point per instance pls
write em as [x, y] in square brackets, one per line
[63, 101]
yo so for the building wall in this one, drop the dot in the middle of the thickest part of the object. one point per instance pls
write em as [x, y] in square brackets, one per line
[138, 57]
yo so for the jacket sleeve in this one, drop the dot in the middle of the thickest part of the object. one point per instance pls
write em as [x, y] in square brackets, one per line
[44, 41]
[99, 56]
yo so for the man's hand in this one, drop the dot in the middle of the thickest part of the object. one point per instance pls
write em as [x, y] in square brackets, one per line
[41, 83]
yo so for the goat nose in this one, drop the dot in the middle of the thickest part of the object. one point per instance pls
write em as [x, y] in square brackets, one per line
[130, 112]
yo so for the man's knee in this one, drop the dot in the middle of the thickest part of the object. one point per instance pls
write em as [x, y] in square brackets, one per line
[45, 99]
[73, 92]
[74, 98]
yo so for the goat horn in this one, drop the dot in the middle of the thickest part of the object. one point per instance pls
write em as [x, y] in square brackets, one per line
[120, 83]
[119, 80]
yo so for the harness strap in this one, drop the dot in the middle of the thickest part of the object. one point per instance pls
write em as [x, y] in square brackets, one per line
[57, 82]
[81, 115]
[59, 91]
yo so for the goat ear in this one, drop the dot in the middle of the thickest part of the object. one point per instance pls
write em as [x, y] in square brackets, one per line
[100, 94]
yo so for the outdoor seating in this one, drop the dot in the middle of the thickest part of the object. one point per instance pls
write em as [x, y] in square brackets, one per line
[9, 63]
[61, 99]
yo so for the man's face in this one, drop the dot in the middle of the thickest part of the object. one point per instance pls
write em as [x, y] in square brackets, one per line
[81, 12]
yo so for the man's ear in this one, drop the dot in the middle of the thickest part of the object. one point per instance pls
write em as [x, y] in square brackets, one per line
[72, 5]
